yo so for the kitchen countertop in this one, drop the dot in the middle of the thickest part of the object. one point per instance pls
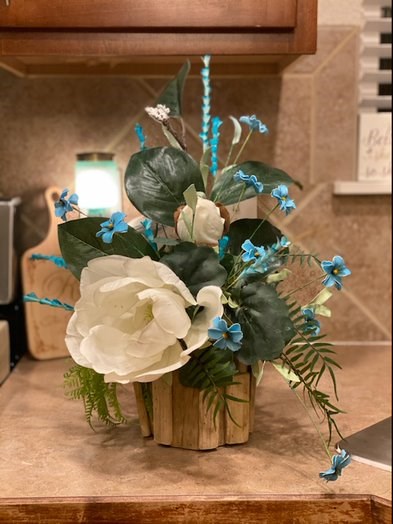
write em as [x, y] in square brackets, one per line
[48, 450]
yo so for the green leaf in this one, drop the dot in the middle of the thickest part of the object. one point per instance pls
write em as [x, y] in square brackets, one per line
[204, 165]
[265, 322]
[227, 191]
[278, 277]
[287, 373]
[156, 179]
[171, 138]
[172, 94]
[242, 229]
[196, 266]
[191, 197]
[79, 244]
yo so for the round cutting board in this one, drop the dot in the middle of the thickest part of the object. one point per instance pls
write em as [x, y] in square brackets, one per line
[46, 325]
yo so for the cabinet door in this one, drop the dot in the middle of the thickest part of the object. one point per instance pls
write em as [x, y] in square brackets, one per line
[139, 15]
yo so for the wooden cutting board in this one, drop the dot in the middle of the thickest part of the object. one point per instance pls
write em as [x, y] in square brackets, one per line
[46, 325]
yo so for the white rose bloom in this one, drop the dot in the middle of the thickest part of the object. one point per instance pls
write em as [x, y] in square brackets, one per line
[131, 313]
[208, 223]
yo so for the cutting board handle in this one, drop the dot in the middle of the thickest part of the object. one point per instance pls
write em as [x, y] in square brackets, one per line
[52, 194]
[46, 326]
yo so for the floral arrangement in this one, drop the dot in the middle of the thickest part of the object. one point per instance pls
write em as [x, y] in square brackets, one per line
[189, 281]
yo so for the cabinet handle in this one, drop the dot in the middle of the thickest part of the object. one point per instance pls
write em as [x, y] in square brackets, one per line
[7, 3]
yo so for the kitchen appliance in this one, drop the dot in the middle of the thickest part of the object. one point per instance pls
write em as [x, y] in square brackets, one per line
[11, 306]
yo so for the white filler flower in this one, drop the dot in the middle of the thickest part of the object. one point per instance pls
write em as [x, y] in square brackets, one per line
[131, 315]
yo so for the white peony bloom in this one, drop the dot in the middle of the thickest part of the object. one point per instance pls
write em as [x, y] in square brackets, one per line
[208, 226]
[131, 315]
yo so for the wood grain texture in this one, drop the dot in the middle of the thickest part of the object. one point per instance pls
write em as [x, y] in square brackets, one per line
[45, 325]
[144, 420]
[283, 509]
[232, 39]
[100, 14]
[181, 418]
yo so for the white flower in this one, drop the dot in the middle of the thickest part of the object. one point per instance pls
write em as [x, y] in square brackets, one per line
[207, 227]
[160, 112]
[131, 315]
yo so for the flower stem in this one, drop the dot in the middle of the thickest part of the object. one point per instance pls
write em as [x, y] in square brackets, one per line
[305, 285]
[243, 146]
[325, 446]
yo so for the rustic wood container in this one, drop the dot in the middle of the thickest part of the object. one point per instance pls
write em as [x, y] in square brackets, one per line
[181, 419]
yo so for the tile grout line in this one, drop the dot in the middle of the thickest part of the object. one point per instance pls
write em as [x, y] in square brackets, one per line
[336, 50]
[347, 293]
[312, 130]
[311, 195]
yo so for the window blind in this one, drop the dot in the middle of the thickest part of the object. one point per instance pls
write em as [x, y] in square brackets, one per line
[375, 89]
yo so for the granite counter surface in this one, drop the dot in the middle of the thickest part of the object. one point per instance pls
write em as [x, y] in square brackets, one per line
[48, 450]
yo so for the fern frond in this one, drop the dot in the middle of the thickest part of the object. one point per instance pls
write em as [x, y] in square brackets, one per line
[98, 397]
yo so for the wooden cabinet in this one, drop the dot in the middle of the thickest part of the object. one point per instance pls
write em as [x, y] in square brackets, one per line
[43, 34]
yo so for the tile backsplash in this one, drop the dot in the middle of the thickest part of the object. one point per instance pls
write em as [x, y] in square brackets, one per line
[311, 113]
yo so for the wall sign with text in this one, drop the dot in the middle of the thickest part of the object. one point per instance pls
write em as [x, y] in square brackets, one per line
[375, 146]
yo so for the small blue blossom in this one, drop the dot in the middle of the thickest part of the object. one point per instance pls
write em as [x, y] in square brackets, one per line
[141, 137]
[205, 74]
[148, 232]
[254, 124]
[335, 270]
[216, 124]
[225, 337]
[222, 246]
[64, 206]
[114, 225]
[283, 242]
[339, 462]
[252, 252]
[286, 203]
[58, 261]
[311, 324]
[250, 181]
[54, 302]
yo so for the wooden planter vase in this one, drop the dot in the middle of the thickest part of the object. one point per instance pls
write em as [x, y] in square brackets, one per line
[181, 419]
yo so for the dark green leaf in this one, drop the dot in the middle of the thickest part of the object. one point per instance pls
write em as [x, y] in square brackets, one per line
[156, 179]
[227, 191]
[196, 266]
[265, 323]
[172, 94]
[240, 230]
[79, 244]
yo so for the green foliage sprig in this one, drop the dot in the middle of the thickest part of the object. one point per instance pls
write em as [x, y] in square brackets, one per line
[211, 371]
[98, 397]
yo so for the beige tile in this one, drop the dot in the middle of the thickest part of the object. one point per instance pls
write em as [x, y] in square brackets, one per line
[356, 228]
[329, 38]
[335, 116]
[45, 122]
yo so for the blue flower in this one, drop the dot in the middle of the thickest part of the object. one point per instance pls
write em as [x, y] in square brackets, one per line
[252, 252]
[335, 270]
[222, 246]
[225, 337]
[214, 142]
[206, 98]
[149, 233]
[311, 324]
[250, 181]
[141, 137]
[64, 206]
[286, 203]
[114, 225]
[339, 462]
[254, 124]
